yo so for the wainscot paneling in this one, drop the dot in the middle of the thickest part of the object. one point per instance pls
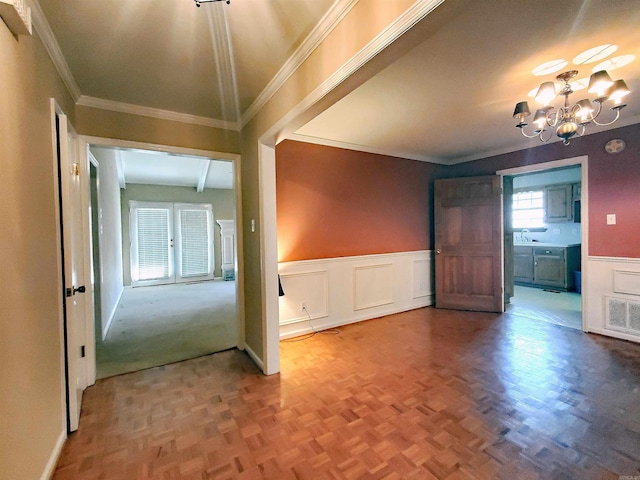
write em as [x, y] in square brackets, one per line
[330, 292]
[611, 297]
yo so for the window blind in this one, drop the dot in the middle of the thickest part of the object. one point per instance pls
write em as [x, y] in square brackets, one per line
[153, 243]
[194, 242]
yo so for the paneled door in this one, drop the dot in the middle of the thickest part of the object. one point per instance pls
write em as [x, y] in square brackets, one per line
[468, 242]
[170, 243]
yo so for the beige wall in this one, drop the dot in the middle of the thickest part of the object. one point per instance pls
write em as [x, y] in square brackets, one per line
[223, 202]
[31, 399]
[136, 128]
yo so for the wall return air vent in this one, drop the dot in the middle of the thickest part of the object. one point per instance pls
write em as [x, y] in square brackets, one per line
[623, 315]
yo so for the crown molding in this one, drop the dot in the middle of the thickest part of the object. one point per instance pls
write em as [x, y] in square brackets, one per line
[326, 24]
[385, 38]
[53, 49]
[516, 148]
[361, 148]
[113, 106]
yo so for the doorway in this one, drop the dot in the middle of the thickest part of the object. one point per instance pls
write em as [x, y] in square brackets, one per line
[547, 209]
[152, 325]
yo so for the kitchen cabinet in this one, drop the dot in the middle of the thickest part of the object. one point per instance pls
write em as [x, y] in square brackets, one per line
[546, 266]
[558, 203]
[522, 264]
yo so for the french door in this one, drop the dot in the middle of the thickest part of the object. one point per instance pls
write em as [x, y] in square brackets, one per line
[170, 242]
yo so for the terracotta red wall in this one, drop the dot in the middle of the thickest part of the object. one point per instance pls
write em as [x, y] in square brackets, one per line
[333, 202]
[614, 185]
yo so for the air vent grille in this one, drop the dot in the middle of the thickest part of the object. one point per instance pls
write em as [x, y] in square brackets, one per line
[623, 315]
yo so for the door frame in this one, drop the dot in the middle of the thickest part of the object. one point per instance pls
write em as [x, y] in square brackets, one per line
[86, 140]
[583, 161]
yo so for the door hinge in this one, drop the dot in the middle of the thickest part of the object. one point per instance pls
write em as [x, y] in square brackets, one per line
[82, 351]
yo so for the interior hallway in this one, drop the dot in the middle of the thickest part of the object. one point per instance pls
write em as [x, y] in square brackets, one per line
[423, 394]
[163, 324]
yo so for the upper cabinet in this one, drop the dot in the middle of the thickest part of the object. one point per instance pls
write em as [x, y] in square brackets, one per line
[558, 203]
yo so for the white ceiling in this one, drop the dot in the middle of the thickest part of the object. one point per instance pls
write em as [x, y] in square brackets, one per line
[156, 168]
[448, 100]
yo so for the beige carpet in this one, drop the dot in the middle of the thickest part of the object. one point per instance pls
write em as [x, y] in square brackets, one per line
[561, 308]
[163, 324]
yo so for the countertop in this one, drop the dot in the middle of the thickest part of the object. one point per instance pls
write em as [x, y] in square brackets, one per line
[544, 244]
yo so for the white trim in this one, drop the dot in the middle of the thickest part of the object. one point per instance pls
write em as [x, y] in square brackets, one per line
[50, 467]
[386, 37]
[614, 259]
[256, 359]
[614, 333]
[53, 49]
[129, 108]
[269, 256]
[374, 256]
[322, 29]
[362, 148]
[536, 167]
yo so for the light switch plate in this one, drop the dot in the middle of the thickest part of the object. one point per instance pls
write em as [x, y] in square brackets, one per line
[611, 218]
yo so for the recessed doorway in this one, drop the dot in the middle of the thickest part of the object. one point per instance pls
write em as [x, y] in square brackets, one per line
[168, 291]
[545, 214]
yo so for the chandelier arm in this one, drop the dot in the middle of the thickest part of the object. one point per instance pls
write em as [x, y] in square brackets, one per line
[542, 139]
[608, 123]
[534, 135]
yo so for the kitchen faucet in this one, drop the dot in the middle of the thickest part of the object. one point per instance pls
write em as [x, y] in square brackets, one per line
[523, 237]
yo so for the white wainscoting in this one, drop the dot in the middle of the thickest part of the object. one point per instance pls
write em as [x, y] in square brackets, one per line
[613, 283]
[339, 291]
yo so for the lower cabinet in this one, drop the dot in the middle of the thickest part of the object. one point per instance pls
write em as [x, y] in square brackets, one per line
[522, 264]
[546, 266]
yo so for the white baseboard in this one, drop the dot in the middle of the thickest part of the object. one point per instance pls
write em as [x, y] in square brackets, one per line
[340, 291]
[50, 467]
[257, 360]
[112, 315]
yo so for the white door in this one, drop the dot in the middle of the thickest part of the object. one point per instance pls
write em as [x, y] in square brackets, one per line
[75, 284]
[170, 243]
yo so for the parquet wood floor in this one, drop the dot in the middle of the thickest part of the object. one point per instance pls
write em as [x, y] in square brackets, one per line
[427, 394]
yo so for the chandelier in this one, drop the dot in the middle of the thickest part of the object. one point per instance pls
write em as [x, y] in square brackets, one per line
[200, 2]
[571, 120]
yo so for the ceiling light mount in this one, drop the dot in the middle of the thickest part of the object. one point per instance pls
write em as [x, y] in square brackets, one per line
[200, 2]
[571, 120]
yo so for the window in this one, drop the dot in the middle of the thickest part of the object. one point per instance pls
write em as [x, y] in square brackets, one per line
[170, 242]
[528, 209]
